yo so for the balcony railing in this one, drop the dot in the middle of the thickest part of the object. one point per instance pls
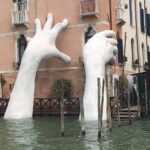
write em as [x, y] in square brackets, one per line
[89, 8]
[119, 16]
[20, 17]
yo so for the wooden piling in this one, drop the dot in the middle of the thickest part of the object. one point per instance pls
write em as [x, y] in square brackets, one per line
[129, 107]
[82, 115]
[108, 103]
[146, 103]
[1, 78]
[62, 113]
[118, 118]
[102, 103]
[99, 119]
[109, 111]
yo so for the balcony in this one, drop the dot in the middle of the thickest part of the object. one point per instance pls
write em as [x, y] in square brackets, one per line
[120, 16]
[20, 18]
[89, 8]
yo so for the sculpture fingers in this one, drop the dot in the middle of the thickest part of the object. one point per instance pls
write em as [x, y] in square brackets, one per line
[106, 33]
[49, 22]
[64, 57]
[28, 39]
[114, 50]
[58, 27]
[112, 41]
[38, 25]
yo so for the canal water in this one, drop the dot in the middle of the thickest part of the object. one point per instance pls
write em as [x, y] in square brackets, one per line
[43, 133]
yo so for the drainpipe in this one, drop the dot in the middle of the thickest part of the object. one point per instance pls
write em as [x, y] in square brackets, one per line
[137, 37]
[110, 15]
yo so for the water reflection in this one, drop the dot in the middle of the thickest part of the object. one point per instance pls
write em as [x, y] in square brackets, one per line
[43, 133]
[21, 133]
[91, 140]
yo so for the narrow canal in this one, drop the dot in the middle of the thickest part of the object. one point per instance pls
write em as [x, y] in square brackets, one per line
[43, 133]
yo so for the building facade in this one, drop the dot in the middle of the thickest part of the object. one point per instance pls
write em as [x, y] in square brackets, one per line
[86, 17]
[137, 32]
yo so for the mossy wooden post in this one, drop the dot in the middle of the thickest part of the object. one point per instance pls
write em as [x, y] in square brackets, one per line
[99, 115]
[129, 107]
[118, 113]
[102, 102]
[108, 102]
[146, 105]
[82, 114]
[62, 110]
[109, 111]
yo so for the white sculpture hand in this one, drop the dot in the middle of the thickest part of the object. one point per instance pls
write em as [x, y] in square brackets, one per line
[42, 45]
[98, 51]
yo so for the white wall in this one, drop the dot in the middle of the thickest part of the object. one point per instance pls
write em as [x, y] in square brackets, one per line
[131, 33]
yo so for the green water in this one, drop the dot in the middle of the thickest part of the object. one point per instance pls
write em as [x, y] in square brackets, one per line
[43, 133]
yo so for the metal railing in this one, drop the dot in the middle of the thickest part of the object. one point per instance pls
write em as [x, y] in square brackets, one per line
[20, 17]
[49, 106]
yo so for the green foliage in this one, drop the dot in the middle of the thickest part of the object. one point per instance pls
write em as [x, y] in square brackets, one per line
[123, 84]
[62, 87]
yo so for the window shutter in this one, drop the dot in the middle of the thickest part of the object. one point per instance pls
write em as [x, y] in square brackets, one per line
[120, 50]
[148, 24]
[142, 20]
[130, 11]
[22, 43]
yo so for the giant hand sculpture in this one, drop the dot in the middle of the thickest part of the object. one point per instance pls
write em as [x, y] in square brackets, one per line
[98, 51]
[41, 46]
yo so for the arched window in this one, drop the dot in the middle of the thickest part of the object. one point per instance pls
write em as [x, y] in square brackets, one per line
[134, 60]
[21, 46]
[144, 54]
[141, 17]
[89, 33]
[120, 49]
[131, 12]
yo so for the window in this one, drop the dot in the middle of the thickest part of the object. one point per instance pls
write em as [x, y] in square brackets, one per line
[20, 13]
[148, 24]
[134, 60]
[89, 8]
[21, 46]
[89, 33]
[141, 17]
[120, 50]
[20, 5]
[144, 55]
[130, 11]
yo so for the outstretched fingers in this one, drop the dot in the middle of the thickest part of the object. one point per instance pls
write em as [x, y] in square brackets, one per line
[49, 22]
[28, 39]
[115, 50]
[112, 41]
[63, 57]
[38, 25]
[58, 27]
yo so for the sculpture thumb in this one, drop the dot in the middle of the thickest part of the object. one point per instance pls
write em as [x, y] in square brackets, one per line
[63, 57]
